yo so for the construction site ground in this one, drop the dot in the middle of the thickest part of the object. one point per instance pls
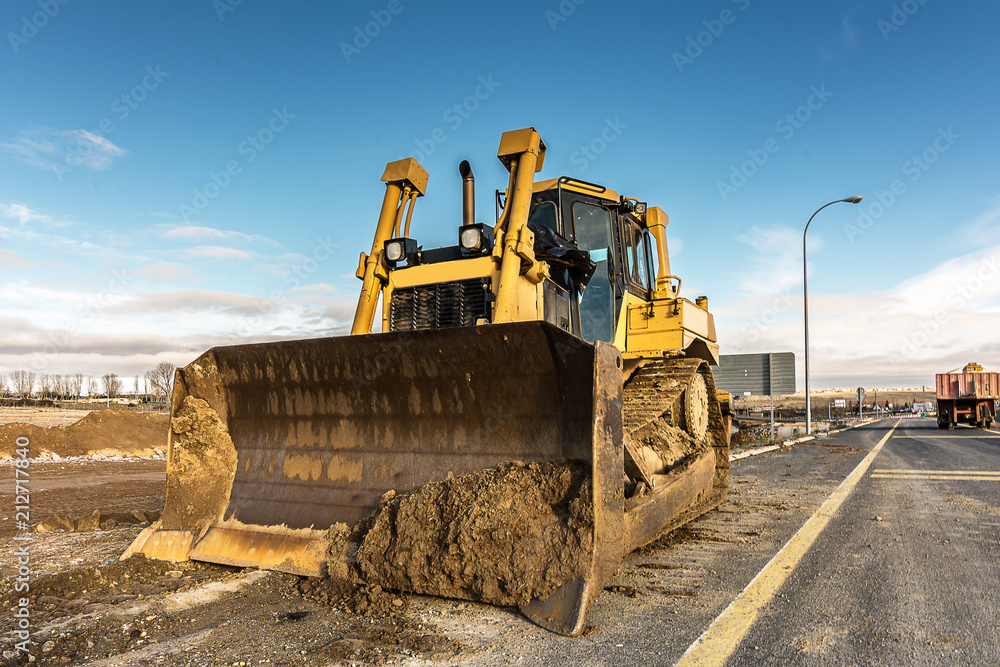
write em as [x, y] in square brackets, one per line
[89, 608]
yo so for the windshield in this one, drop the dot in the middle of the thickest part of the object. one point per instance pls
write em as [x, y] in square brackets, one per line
[597, 303]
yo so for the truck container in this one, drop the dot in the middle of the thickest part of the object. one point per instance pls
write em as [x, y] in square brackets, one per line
[967, 397]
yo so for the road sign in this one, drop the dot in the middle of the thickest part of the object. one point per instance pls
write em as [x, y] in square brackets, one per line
[756, 374]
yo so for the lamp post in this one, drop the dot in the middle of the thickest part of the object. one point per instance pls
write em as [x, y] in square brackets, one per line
[805, 301]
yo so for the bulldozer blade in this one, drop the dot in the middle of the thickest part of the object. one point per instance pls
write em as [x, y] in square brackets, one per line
[273, 444]
[277, 448]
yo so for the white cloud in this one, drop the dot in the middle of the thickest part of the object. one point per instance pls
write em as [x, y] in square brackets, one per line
[59, 330]
[203, 301]
[170, 271]
[59, 242]
[776, 265]
[196, 234]
[987, 223]
[11, 260]
[927, 324]
[217, 252]
[973, 279]
[62, 150]
[26, 216]
[22, 214]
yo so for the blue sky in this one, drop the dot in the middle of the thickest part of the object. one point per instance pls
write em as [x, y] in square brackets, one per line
[179, 175]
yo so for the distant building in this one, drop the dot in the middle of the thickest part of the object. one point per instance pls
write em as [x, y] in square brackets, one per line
[756, 374]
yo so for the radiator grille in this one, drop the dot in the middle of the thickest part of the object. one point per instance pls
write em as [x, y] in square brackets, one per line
[456, 303]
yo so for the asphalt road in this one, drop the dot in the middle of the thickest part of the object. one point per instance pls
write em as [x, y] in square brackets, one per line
[904, 572]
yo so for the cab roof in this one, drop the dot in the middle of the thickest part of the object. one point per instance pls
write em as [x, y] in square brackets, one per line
[574, 185]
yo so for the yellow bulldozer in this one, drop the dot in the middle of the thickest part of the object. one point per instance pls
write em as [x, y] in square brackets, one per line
[550, 352]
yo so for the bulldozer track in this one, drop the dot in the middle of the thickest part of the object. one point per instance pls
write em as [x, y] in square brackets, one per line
[654, 389]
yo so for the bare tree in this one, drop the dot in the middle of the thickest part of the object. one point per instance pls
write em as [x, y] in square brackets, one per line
[135, 388]
[55, 387]
[162, 378]
[91, 387]
[65, 385]
[24, 383]
[3, 384]
[112, 385]
[76, 386]
[45, 386]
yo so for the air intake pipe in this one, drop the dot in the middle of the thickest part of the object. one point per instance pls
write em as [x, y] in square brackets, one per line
[468, 193]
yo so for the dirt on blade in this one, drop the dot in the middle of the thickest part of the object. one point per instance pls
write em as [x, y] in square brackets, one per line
[504, 535]
[204, 461]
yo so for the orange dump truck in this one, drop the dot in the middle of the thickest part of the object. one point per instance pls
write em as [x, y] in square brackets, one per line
[967, 397]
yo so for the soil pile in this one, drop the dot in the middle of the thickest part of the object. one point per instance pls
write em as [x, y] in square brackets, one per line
[105, 432]
[504, 535]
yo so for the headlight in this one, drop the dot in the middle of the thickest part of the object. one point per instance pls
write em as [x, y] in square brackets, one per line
[401, 249]
[394, 251]
[477, 239]
[471, 238]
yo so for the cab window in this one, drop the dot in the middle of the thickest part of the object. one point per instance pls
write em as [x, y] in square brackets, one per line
[636, 256]
[544, 213]
[597, 303]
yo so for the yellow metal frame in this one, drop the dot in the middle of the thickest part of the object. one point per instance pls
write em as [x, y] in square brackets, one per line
[663, 325]
[405, 180]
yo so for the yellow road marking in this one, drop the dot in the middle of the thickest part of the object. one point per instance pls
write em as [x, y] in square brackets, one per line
[946, 436]
[880, 471]
[985, 478]
[725, 633]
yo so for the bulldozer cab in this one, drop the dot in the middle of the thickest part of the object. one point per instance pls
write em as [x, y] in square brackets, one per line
[598, 222]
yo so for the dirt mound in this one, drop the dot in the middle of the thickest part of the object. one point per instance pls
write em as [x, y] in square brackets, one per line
[105, 432]
[504, 535]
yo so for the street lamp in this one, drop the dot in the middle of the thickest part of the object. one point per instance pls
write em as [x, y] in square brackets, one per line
[805, 301]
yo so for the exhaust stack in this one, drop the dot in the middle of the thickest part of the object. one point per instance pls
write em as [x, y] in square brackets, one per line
[468, 193]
